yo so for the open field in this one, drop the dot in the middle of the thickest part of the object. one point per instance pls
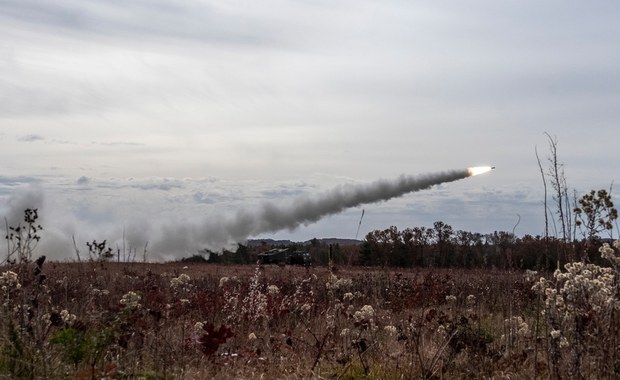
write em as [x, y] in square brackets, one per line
[157, 321]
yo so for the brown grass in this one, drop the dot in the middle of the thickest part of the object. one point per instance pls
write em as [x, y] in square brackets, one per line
[311, 328]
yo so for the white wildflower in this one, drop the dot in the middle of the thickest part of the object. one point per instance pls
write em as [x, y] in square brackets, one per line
[335, 283]
[67, 317]
[180, 281]
[555, 334]
[451, 298]
[131, 300]
[273, 289]
[365, 314]
[251, 337]
[9, 279]
[391, 330]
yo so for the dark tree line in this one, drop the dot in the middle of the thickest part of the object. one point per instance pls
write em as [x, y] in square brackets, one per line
[442, 246]
[439, 246]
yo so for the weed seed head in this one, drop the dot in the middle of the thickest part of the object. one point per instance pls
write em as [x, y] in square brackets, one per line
[181, 281]
[365, 314]
[391, 330]
[131, 300]
[9, 280]
[273, 289]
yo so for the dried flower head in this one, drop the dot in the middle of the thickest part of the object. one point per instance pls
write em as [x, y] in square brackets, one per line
[365, 314]
[273, 289]
[131, 300]
[181, 281]
[67, 317]
[391, 330]
[9, 280]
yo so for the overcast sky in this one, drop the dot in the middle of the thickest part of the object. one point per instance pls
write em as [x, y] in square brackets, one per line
[163, 116]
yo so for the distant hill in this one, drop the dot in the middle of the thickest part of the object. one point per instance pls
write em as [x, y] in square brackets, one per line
[339, 241]
[277, 243]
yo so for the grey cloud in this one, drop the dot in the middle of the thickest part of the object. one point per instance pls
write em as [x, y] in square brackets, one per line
[200, 197]
[117, 143]
[185, 20]
[30, 138]
[283, 192]
[164, 185]
[17, 180]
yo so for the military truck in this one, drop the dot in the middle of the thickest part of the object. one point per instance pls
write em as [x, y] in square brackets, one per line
[283, 256]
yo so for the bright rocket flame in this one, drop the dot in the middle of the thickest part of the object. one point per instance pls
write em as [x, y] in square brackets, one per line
[479, 170]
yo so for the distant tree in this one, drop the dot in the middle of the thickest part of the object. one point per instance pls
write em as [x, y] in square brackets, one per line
[529, 253]
[408, 246]
[376, 244]
[443, 238]
[393, 248]
[365, 256]
[337, 255]
[350, 254]
[422, 238]
[465, 252]
[242, 254]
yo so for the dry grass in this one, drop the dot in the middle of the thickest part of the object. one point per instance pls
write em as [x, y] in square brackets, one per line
[268, 322]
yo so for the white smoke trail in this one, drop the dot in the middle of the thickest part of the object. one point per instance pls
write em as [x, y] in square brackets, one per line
[271, 217]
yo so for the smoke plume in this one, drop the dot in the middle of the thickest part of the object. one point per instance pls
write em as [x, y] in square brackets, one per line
[271, 217]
